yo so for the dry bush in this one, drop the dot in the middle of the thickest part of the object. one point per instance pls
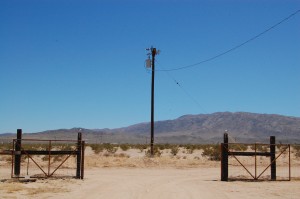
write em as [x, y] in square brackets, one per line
[35, 191]
[97, 148]
[237, 147]
[212, 152]
[164, 146]
[12, 187]
[190, 148]
[110, 148]
[156, 152]
[122, 155]
[260, 148]
[125, 147]
[45, 158]
[174, 150]
[297, 150]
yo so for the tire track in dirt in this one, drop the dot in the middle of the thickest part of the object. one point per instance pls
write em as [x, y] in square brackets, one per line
[149, 183]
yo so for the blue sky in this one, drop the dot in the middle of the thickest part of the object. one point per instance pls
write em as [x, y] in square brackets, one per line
[67, 64]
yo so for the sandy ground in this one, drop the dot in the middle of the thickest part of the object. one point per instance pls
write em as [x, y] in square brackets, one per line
[167, 183]
[137, 177]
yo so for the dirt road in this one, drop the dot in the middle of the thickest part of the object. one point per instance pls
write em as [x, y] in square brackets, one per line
[146, 183]
[175, 183]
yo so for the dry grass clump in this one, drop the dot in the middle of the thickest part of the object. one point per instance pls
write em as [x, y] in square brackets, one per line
[28, 189]
[297, 150]
[39, 190]
[11, 187]
[156, 152]
[125, 147]
[122, 155]
[174, 150]
[212, 152]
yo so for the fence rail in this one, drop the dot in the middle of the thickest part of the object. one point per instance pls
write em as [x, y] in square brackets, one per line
[257, 162]
[23, 148]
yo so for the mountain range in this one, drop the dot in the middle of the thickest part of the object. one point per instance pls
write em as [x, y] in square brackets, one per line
[194, 129]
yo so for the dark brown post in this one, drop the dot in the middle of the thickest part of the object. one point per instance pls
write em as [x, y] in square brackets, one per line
[224, 158]
[289, 162]
[82, 159]
[78, 155]
[153, 51]
[18, 147]
[272, 157]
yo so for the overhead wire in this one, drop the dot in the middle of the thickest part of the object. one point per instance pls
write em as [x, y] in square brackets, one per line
[233, 48]
[219, 55]
[184, 90]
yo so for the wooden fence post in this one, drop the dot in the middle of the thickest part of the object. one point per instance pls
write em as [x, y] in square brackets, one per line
[18, 147]
[273, 157]
[82, 159]
[79, 150]
[224, 158]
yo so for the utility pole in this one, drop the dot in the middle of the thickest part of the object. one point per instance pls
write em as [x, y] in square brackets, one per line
[153, 53]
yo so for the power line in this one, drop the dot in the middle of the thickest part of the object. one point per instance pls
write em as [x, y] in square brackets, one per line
[183, 89]
[186, 92]
[235, 47]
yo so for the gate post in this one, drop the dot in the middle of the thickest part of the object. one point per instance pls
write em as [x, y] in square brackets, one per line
[224, 158]
[17, 152]
[272, 157]
[79, 149]
[82, 159]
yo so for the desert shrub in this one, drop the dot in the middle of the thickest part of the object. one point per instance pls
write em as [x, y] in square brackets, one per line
[279, 146]
[260, 147]
[190, 148]
[156, 152]
[195, 147]
[237, 147]
[141, 147]
[57, 158]
[297, 150]
[203, 146]
[212, 152]
[121, 155]
[174, 150]
[164, 146]
[110, 148]
[5, 146]
[45, 158]
[29, 146]
[97, 148]
[106, 154]
[282, 147]
[67, 147]
[125, 147]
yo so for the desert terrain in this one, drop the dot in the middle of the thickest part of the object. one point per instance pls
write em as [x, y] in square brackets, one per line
[131, 174]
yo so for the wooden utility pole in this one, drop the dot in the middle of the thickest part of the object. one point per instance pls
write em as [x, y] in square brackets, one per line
[153, 53]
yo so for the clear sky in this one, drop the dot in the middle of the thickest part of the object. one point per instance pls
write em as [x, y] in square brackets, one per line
[71, 63]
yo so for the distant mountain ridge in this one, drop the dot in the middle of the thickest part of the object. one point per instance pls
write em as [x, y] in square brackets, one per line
[202, 128]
